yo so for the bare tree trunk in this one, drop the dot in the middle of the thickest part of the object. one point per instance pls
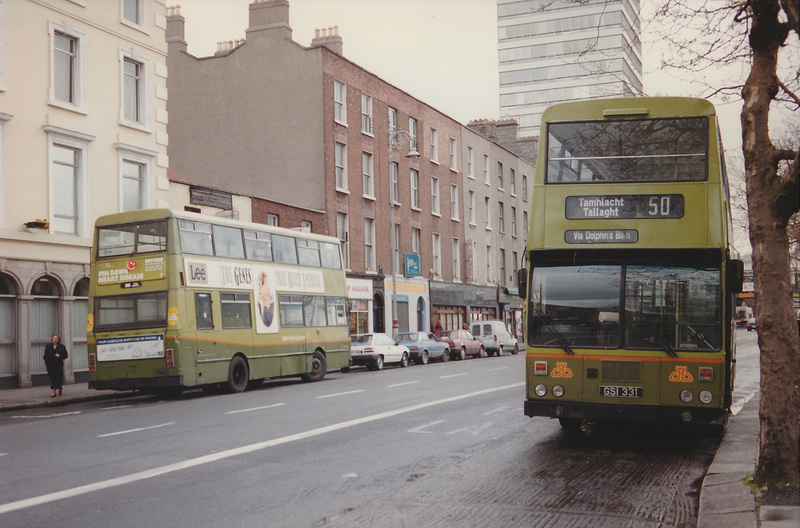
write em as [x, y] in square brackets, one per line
[772, 200]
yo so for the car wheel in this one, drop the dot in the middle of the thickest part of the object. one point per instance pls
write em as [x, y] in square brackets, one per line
[446, 355]
[500, 351]
[378, 365]
[404, 360]
[462, 354]
[482, 353]
[424, 358]
[515, 351]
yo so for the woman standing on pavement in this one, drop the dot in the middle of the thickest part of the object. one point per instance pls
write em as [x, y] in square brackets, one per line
[54, 355]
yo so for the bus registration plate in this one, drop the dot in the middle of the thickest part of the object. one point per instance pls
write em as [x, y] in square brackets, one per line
[620, 392]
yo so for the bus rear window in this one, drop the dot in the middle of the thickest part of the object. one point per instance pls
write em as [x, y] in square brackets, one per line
[638, 150]
[132, 239]
[142, 310]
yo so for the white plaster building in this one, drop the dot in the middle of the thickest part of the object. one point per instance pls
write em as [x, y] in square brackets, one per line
[83, 133]
[552, 51]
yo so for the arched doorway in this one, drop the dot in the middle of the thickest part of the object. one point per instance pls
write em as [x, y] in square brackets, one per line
[378, 314]
[9, 364]
[44, 319]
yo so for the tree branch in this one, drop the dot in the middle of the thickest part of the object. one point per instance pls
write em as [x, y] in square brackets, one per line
[789, 92]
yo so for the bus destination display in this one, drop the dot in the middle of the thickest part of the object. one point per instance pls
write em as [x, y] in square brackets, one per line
[624, 206]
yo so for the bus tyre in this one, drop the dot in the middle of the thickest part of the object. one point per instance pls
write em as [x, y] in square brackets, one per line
[319, 367]
[237, 374]
[446, 355]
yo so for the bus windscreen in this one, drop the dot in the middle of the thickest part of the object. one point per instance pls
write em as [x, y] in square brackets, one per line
[641, 150]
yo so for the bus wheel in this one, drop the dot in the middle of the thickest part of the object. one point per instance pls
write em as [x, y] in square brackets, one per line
[570, 424]
[319, 367]
[237, 374]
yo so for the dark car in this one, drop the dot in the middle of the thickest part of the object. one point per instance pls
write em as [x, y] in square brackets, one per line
[462, 343]
[423, 346]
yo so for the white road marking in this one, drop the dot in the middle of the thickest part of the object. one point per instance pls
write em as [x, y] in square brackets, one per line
[3, 454]
[339, 394]
[222, 455]
[135, 430]
[453, 375]
[421, 427]
[22, 416]
[401, 384]
[474, 430]
[114, 407]
[256, 408]
[497, 368]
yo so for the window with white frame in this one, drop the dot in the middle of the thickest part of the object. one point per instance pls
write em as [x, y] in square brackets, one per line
[392, 115]
[414, 178]
[471, 207]
[343, 233]
[513, 221]
[502, 267]
[470, 163]
[134, 94]
[501, 217]
[305, 225]
[369, 244]
[340, 160]
[435, 195]
[524, 188]
[272, 219]
[456, 259]
[366, 113]
[367, 174]
[512, 181]
[500, 175]
[454, 212]
[434, 145]
[394, 185]
[412, 131]
[486, 179]
[133, 11]
[66, 72]
[453, 155]
[487, 211]
[69, 187]
[135, 169]
[437, 255]
[340, 102]
[488, 263]
[415, 240]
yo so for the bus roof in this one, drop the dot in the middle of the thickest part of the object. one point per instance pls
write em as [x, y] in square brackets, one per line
[144, 215]
[633, 107]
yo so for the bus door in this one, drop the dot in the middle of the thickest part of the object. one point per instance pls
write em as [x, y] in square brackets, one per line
[202, 341]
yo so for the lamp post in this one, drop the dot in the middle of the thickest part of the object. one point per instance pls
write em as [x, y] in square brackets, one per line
[398, 140]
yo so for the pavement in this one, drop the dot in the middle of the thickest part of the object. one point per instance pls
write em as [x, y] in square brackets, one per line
[726, 497]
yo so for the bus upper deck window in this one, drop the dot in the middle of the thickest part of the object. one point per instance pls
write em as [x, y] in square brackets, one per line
[196, 237]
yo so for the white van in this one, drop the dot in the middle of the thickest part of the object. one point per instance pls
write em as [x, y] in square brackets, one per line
[495, 337]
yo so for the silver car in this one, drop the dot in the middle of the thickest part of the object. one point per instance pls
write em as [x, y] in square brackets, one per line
[374, 350]
[495, 337]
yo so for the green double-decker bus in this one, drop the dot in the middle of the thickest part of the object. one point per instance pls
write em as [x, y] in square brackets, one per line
[631, 275]
[181, 300]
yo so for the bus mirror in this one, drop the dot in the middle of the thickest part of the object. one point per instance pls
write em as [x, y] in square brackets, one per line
[522, 282]
[735, 274]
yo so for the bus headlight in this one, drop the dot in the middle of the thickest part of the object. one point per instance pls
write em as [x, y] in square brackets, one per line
[558, 391]
[706, 397]
[540, 390]
[686, 396]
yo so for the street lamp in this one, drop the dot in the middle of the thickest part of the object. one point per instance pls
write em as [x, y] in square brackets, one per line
[398, 140]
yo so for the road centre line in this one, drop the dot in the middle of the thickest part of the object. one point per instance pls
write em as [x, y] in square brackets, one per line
[24, 416]
[339, 394]
[401, 384]
[421, 428]
[453, 375]
[222, 455]
[135, 430]
[256, 408]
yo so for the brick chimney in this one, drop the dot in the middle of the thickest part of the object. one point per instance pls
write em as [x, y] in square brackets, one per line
[328, 38]
[269, 19]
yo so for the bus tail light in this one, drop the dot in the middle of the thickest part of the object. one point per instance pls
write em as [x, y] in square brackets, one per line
[540, 368]
[170, 358]
[706, 374]
[92, 363]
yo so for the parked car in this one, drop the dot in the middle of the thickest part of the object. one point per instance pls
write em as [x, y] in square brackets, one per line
[751, 324]
[462, 343]
[424, 346]
[495, 337]
[375, 350]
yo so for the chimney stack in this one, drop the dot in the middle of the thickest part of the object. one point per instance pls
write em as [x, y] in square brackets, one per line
[328, 38]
